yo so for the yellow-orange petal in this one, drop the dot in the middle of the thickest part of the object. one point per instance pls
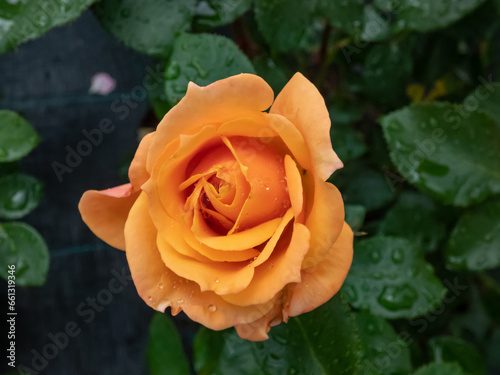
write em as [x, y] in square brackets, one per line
[324, 217]
[238, 241]
[282, 268]
[259, 328]
[106, 211]
[323, 281]
[219, 277]
[257, 127]
[294, 183]
[234, 97]
[160, 288]
[301, 103]
[137, 172]
[292, 138]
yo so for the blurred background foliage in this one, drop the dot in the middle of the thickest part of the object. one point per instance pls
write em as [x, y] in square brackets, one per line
[411, 90]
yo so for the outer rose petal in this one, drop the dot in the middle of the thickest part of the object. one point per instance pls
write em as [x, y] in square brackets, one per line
[106, 211]
[301, 103]
[137, 172]
[324, 217]
[235, 97]
[160, 288]
[321, 282]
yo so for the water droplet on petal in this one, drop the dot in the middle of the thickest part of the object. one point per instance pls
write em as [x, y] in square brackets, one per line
[212, 308]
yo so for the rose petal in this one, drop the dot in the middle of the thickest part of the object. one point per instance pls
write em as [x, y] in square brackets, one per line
[238, 241]
[257, 126]
[160, 288]
[301, 103]
[235, 97]
[268, 197]
[293, 139]
[282, 268]
[324, 217]
[323, 281]
[258, 329]
[137, 172]
[294, 183]
[106, 211]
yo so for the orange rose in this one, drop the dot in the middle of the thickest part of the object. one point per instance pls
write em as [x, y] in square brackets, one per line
[227, 215]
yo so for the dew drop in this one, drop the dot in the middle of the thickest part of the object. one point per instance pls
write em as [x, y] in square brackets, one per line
[17, 201]
[375, 256]
[159, 285]
[212, 308]
[398, 297]
[173, 71]
[351, 292]
[397, 256]
[125, 12]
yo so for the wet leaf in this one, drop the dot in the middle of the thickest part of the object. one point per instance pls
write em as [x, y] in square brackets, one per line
[475, 241]
[165, 353]
[202, 59]
[445, 151]
[390, 277]
[17, 136]
[19, 195]
[22, 246]
[28, 19]
[149, 26]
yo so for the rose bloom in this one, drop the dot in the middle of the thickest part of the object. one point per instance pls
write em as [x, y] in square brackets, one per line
[227, 215]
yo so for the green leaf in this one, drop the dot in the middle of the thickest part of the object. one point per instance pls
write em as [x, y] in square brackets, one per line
[415, 217]
[353, 181]
[360, 20]
[487, 98]
[440, 369]
[384, 352]
[387, 72]
[207, 350]
[355, 215]
[213, 13]
[149, 26]
[444, 151]
[475, 241]
[274, 75]
[427, 15]
[17, 136]
[223, 353]
[286, 24]
[202, 59]
[24, 20]
[491, 298]
[165, 354]
[22, 245]
[390, 277]
[454, 349]
[19, 195]
[323, 341]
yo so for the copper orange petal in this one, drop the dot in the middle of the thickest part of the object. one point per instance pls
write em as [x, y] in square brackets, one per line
[160, 288]
[137, 172]
[238, 96]
[106, 211]
[282, 268]
[323, 281]
[324, 217]
[301, 103]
